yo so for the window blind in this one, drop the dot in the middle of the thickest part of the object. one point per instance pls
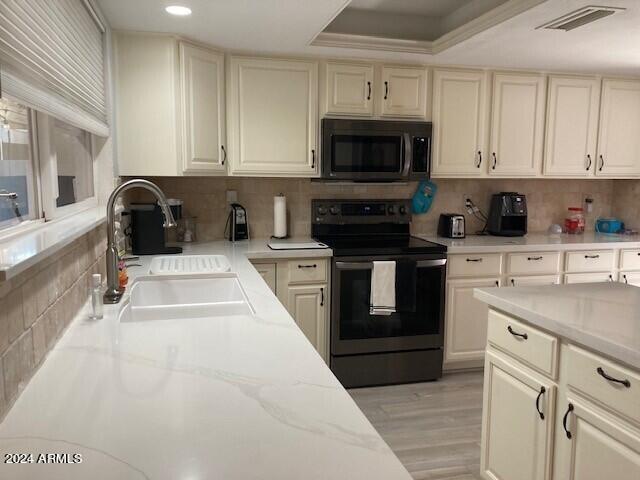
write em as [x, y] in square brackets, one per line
[52, 56]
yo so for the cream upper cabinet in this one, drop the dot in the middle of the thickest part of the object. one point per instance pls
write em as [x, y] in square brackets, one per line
[307, 305]
[403, 91]
[349, 89]
[466, 321]
[517, 423]
[272, 115]
[459, 122]
[619, 139]
[517, 123]
[572, 126]
[202, 75]
[169, 106]
[597, 447]
[147, 104]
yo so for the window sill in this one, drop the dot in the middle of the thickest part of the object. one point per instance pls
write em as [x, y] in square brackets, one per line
[21, 251]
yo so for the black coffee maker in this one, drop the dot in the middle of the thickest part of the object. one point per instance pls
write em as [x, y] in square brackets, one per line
[508, 215]
[147, 230]
[237, 227]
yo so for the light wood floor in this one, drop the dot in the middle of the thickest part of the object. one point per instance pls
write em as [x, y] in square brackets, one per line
[433, 427]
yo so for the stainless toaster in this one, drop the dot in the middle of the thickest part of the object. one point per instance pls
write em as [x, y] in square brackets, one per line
[451, 225]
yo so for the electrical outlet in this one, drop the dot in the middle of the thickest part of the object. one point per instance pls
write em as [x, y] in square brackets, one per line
[588, 203]
[232, 196]
[467, 203]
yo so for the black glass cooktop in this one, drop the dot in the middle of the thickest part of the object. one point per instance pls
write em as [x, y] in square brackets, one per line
[381, 245]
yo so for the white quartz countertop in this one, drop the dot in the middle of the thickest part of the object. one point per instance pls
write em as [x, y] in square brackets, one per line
[534, 242]
[239, 397]
[603, 317]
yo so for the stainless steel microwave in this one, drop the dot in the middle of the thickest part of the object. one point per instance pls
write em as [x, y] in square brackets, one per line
[375, 150]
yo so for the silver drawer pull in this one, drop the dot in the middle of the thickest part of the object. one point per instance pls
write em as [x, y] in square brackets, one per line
[474, 259]
[534, 258]
[604, 375]
[592, 256]
[307, 266]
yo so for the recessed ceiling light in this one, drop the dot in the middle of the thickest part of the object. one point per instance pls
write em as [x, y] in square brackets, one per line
[178, 10]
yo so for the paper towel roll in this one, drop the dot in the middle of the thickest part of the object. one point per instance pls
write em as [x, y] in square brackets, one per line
[280, 216]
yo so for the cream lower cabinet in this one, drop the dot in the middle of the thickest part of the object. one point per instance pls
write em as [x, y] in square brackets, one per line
[631, 278]
[465, 322]
[566, 420]
[599, 447]
[588, 277]
[268, 273]
[302, 286]
[534, 280]
[517, 422]
[272, 117]
[308, 306]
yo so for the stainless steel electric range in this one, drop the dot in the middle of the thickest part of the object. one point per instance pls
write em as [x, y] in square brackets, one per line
[366, 349]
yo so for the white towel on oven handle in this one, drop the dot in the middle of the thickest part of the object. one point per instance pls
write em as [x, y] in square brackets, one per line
[383, 288]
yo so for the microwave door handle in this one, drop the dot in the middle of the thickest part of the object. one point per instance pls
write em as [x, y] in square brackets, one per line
[407, 155]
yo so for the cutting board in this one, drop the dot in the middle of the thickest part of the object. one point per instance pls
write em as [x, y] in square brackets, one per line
[293, 245]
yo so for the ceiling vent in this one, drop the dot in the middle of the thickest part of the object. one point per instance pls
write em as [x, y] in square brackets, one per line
[580, 18]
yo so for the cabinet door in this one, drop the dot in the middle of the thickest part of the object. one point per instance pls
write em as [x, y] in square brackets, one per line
[307, 306]
[517, 419]
[268, 272]
[631, 278]
[619, 141]
[598, 448]
[403, 92]
[349, 89]
[459, 118]
[203, 122]
[466, 321]
[534, 280]
[147, 104]
[588, 277]
[517, 122]
[572, 126]
[273, 117]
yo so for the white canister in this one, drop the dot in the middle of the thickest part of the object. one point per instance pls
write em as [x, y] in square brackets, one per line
[280, 216]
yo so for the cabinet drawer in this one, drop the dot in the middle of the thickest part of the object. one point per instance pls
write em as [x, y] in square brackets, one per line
[534, 348]
[533, 263]
[630, 260]
[307, 270]
[587, 372]
[588, 277]
[590, 261]
[475, 265]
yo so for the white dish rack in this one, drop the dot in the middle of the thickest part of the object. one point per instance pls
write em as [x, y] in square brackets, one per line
[189, 264]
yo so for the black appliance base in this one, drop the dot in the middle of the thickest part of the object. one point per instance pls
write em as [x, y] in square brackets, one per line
[387, 368]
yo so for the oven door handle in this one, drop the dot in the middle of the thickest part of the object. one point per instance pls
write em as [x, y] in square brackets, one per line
[408, 156]
[369, 265]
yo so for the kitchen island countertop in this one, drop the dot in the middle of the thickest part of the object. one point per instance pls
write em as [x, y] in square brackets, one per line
[603, 317]
[238, 397]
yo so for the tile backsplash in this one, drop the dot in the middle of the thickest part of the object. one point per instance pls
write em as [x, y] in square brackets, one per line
[548, 200]
[38, 304]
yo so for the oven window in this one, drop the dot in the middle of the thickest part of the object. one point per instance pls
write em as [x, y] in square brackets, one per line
[366, 153]
[355, 323]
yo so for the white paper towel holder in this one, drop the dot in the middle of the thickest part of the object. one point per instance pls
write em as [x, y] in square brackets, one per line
[282, 214]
